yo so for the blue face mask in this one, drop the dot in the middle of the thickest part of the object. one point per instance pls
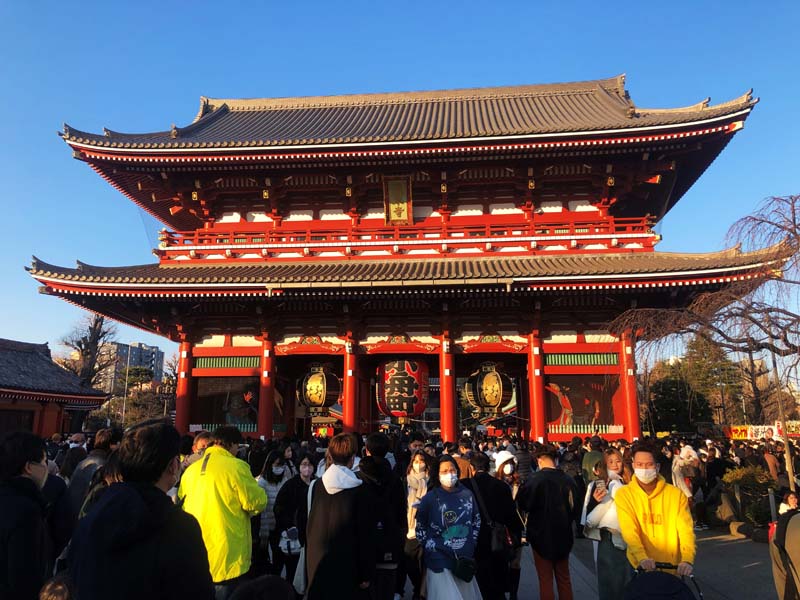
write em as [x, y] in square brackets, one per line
[278, 470]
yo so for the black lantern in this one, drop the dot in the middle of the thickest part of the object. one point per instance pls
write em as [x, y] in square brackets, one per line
[320, 389]
[488, 390]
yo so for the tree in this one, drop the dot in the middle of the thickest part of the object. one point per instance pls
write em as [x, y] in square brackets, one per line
[753, 315]
[674, 404]
[714, 375]
[86, 341]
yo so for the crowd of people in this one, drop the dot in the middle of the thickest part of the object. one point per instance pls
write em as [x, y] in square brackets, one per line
[149, 513]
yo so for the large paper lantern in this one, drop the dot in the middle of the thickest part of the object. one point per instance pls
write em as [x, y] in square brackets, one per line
[320, 389]
[488, 390]
[402, 388]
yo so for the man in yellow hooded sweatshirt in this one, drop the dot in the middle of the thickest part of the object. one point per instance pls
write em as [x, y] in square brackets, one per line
[654, 517]
[220, 492]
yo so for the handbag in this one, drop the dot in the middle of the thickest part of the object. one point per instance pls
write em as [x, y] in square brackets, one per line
[501, 542]
[300, 581]
[464, 568]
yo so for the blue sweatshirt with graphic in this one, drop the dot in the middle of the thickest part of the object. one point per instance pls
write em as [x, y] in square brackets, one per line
[447, 526]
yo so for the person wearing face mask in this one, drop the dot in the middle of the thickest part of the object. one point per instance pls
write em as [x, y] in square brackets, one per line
[654, 517]
[601, 525]
[271, 479]
[23, 472]
[448, 524]
[289, 502]
[496, 505]
[417, 481]
[508, 472]
[134, 542]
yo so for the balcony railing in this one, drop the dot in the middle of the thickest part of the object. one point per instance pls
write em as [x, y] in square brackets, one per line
[313, 238]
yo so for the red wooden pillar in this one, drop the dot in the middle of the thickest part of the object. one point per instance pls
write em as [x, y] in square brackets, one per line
[536, 399]
[350, 420]
[633, 427]
[266, 388]
[183, 388]
[447, 391]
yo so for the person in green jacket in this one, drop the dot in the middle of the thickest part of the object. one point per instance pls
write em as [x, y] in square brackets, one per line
[220, 492]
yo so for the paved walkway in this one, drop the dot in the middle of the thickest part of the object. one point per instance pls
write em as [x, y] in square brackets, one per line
[727, 568]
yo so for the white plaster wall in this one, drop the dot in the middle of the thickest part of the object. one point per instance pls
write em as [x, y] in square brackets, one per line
[244, 341]
[211, 341]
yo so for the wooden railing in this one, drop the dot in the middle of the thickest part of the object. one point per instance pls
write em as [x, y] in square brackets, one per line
[305, 234]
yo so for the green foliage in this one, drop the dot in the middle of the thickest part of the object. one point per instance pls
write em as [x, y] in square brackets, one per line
[754, 485]
[749, 477]
[676, 405]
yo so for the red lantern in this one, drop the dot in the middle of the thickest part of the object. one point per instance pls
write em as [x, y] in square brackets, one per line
[402, 388]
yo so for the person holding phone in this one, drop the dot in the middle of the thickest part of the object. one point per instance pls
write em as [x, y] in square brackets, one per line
[601, 525]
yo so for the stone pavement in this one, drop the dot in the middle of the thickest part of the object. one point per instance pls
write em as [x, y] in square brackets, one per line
[726, 568]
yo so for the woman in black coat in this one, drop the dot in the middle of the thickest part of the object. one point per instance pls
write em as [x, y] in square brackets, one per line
[290, 501]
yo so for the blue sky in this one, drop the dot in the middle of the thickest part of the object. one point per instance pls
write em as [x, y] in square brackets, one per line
[141, 66]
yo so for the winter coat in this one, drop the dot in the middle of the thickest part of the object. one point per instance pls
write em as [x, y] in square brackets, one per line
[135, 543]
[448, 524]
[81, 479]
[500, 508]
[657, 526]
[550, 499]
[220, 492]
[387, 496]
[268, 516]
[602, 515]
[23, 547]
[340, 550]
[58, 518]
[289, 502]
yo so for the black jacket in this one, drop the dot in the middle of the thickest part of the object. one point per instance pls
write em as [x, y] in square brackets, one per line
[551, 500]
[340, 550]
[58, 518]
[22, 540]
[290, 501]
[135, 543]
[387, 495]
[500, 507]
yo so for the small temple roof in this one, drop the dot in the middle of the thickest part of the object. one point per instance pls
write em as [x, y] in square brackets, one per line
[414, 272]
[27, 367]
[449, 115]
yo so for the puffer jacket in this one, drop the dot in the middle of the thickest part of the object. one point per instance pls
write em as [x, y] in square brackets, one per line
[220, 492]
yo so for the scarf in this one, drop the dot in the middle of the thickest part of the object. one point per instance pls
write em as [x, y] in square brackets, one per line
[417, 488]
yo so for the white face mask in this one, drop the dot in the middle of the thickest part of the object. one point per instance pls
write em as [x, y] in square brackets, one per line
[278, 470]
[508, 469]
[646, 475]
[418, 468]
[448, 480]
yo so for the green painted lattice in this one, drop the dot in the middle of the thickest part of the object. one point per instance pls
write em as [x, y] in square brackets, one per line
[596, 359]
[226, 362]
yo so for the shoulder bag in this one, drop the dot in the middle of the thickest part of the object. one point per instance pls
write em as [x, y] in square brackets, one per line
[502, 544]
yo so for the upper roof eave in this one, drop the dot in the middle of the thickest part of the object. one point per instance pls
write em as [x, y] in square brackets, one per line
[592, 107]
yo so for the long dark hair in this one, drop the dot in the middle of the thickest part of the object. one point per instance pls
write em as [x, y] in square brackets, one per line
[425, 456]
[433, 480]
[266, 471]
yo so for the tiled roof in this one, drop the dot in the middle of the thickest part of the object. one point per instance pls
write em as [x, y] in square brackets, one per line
[366, 273]
[411, 116]
[29, 367]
